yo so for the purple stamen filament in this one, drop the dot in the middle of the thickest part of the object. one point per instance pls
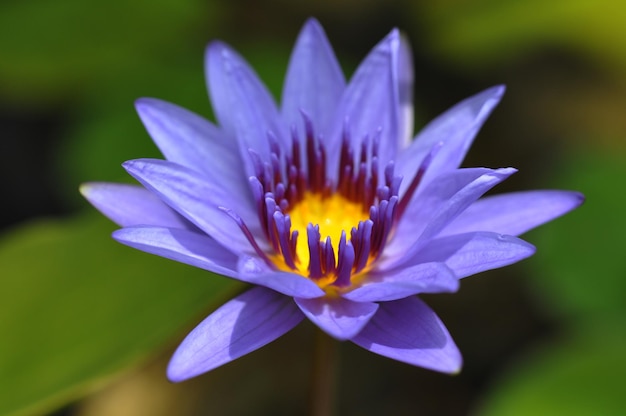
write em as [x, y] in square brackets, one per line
[345, 223]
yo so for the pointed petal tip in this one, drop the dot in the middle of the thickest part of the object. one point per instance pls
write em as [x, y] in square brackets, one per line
[392, 40]
[506, 171]
[144, 104]
[135, 165]
[180, 368]
[488, 100]
[455, 366]
[529, 249]
[214, 54]
[85, 188]
[409, 331]
[175, 374]
[578, 198]
[143, 101]
[312, 24]
[149, 110]
[497, 90]
[217, 48]
[129, 165]
[89, 190]
[340, 318]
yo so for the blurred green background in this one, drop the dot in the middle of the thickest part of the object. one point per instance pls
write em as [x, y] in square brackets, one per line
[87, 326]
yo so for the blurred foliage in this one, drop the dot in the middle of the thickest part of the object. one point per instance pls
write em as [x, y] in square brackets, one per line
[491, 32]
[52, 48]
[579, 275]
[581, 375]
[580, 271]
[83, 307]
[78, 309]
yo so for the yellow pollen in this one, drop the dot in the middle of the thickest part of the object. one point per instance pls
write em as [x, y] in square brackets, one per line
[333, 214]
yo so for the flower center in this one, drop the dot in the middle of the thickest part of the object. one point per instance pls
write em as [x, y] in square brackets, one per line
[328, 229]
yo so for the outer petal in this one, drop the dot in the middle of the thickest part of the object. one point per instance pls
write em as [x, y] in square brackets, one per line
[437, 205]
[253, 270]
[406, 281]
[201, 251]
[241, 102]
[339, 318]
[456, 129]
[314, 82]
[242, 325]
[409, 331]
[192, 141]
[183, 246]
[371, 104]
[197, 199]
[128, 205]
[514, 213]
[471, 253]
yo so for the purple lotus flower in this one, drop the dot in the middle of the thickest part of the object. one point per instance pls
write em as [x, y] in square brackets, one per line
[325, 205]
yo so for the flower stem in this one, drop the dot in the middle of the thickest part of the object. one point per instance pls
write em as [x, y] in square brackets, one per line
[324, 370]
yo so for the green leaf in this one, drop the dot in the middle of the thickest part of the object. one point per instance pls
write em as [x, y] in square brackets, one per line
[77, 307]
[580, 265]
[579, 376]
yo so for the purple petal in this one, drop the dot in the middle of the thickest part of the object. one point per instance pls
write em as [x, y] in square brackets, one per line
[471, 253]
[437, 205]
[242, 325]
[242, 104]
[409, 331]
[183, 246]
[314, 81]
[197, 199]
[203, 252]
[254, 270]
[514, 213]
[456, 129]
[189, 140]
[403, 282]
[339, 318]
[371, 103]
[128, 205]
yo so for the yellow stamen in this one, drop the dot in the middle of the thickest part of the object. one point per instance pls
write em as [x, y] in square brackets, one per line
[333, 214]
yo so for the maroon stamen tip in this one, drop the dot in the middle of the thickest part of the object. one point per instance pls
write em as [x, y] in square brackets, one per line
[295, 151]
[417, 179]
[376, 142]
[363, 156]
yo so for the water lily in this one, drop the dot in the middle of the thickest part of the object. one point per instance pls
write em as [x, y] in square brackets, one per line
[326, 205]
